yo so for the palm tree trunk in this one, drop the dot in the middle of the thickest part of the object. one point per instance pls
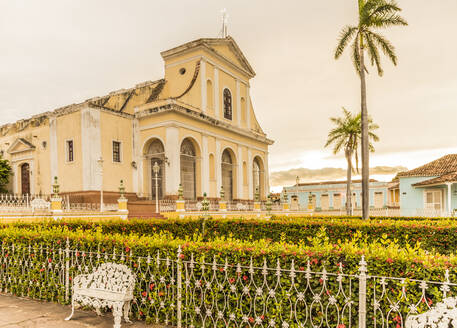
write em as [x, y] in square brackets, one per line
[365, 149]
[348, 154]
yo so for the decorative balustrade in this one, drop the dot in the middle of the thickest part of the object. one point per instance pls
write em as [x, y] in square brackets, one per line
[172, 289]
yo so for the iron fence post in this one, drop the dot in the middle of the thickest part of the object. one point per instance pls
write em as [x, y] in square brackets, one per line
[67, 270]
[179, 289]
[362, 293]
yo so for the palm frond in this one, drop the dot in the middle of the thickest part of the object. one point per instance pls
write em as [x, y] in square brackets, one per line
[356, 54]
[384, 8]
[345, 37]
[374, 54]
[387, 48]
[387, 21]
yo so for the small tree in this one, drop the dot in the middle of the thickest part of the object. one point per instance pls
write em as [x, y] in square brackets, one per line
[345, 136]
[5, 174]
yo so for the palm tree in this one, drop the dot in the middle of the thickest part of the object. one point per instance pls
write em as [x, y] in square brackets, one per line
[346, 135]
[373, 14]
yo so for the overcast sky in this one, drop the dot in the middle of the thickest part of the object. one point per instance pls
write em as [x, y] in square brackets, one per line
[54, 53]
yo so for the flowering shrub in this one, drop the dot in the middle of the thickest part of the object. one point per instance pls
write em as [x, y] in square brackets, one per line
[433, 235]
[36, 260]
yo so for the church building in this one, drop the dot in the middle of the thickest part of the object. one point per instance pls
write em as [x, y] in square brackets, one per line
[197, 123]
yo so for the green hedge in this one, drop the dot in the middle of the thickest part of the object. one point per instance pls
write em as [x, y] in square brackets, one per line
[384, 257]
[439, 236]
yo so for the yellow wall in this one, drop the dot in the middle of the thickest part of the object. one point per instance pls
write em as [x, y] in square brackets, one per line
[69, 173]
[116, 128]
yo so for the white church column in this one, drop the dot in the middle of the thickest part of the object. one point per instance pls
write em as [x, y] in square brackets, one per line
[248, 108]
[218, 167]
[238, 102]
[53, 148]
[267, 176]
[92, 149]
[250, 182]
[240, 173]
[172, 152]
[205, 165]
[216, 92]
[203, 85]
[137, 173]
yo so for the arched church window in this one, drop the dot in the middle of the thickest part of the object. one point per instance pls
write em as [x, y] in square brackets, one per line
[187, 148]
[227, 104]
[226, 158]
[227, 174]
[188, 169]
[155, 147]
[156, 154]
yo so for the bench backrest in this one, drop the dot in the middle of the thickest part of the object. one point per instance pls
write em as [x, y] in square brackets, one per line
[39, 203]
[113, 277]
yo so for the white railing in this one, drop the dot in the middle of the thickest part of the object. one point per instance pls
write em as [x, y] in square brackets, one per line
[176, 289]
[10, 203]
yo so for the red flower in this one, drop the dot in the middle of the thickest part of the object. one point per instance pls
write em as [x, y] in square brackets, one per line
[127, 249]
[221, 269]
[389, 260]
[151, 286]
[42, 269]
[251, 319]
[144, 294]
[231, 280]
[341, 325]
[245, 278]
[181, 256]
[49, 260]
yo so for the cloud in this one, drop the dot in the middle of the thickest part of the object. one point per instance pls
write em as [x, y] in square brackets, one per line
[283, 178]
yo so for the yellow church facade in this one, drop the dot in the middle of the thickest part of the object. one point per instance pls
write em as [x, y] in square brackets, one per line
[197, 123]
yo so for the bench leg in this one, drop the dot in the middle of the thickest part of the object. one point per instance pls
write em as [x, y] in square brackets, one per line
[127, 311]
[72, 309]
[117, 314]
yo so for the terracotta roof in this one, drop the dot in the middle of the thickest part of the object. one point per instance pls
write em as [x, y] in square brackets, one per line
[396, 185]
[331, 182]
[449, 177]
[443, 165]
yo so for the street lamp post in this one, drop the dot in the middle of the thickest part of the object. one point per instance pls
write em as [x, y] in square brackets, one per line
[156, 169]
[100, 163]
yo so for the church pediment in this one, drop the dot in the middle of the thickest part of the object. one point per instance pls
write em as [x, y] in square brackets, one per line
[20, 145]
[224, 48]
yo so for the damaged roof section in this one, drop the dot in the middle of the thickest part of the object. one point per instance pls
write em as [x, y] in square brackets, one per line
[125, 100]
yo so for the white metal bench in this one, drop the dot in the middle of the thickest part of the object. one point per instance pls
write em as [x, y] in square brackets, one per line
[40, 204]
[442, 315]
[111, 285]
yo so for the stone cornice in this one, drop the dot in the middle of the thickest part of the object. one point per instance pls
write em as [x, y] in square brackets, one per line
[172, 106]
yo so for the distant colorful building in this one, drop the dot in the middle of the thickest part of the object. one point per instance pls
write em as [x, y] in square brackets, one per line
[430, 189]
[331, 195]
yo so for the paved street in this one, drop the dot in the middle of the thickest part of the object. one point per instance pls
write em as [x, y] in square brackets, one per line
[25, 313]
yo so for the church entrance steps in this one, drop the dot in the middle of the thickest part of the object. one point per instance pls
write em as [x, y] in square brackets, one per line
[143, 209]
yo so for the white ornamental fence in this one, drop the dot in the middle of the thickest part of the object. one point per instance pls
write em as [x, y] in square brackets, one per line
[186, 291]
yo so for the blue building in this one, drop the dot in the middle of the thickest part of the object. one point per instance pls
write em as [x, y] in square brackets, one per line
[331, 195]
[431, 189]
